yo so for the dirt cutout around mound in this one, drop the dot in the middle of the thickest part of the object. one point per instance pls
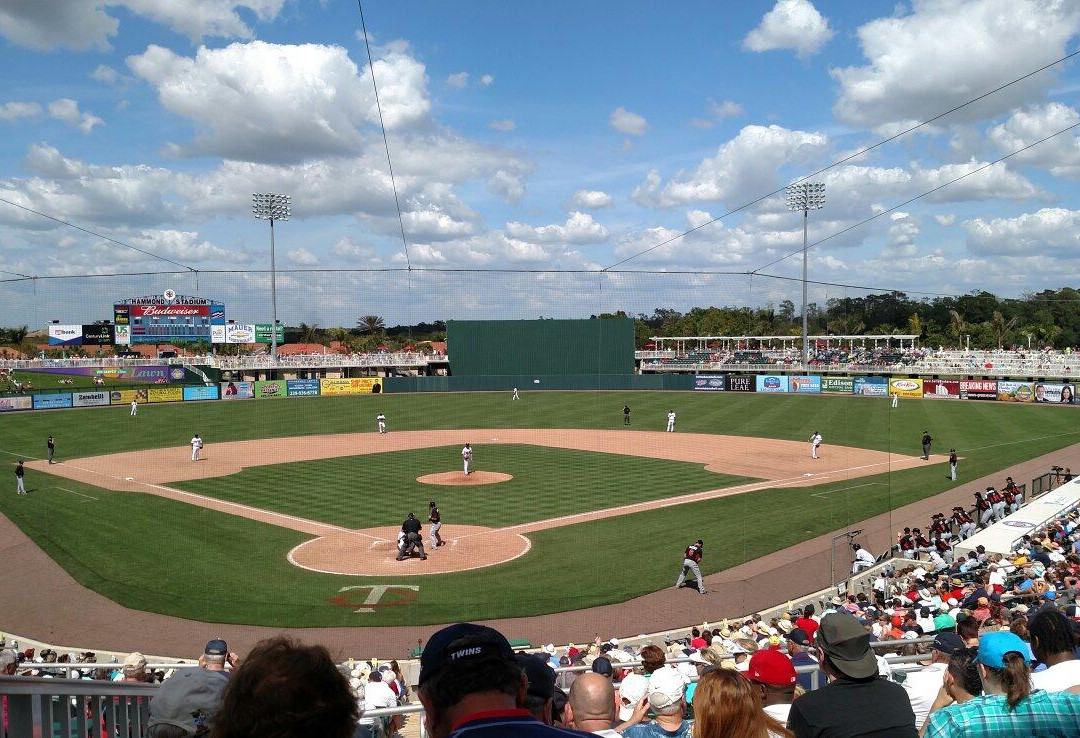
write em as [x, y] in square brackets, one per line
[367, 552]
[460, 479]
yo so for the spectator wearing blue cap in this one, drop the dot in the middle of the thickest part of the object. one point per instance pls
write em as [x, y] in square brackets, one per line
[1008, 706]
[924, 685]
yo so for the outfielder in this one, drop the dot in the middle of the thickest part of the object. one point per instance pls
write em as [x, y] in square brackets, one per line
[516, 395]
[815, 443]
[466, 457]
[381, 420]
[134, 408]
[691, 559]
[671, 421]
[896, 400]
[435, 518]
[196, 447]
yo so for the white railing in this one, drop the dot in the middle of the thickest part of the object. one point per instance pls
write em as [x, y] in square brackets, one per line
[261, 361]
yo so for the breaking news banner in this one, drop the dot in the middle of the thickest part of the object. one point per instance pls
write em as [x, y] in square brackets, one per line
[978, 389]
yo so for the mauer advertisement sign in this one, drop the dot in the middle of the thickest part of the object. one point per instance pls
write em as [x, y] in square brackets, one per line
[941, 389]
[839, 385]
[239, 333]
[978, 389]
[97, 335]
[741, 383]
[710, 382]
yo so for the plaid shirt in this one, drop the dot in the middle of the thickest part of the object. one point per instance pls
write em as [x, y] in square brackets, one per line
[1044, 714]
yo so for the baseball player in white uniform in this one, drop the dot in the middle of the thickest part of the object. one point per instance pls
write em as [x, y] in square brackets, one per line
[196, 447]
[815, 442]
[381, 420]
[896, 400]
[134, 408]
[516, 395]
[466, 457]
[671, 421]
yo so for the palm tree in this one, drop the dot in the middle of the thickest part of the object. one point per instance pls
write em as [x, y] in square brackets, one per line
[370, 324]
[15, 336]
[957, 326]
[1000, 327]
[308, 333]
[337, 334]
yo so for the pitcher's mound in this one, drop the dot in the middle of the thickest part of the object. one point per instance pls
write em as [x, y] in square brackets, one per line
[459, 479]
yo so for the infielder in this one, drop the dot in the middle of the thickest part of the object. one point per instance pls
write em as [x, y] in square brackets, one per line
[516, 395]
[815, 443]
[50, 447]
[20, 478]
[466, 457]
[952, 464]
[381, 420]
[671, 421]
[927, 440]
[134, 408]
[626, 415]
[435, 518]
[196, 447]
[691, 559]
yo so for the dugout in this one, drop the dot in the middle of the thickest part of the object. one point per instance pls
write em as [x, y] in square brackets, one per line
[532, 348]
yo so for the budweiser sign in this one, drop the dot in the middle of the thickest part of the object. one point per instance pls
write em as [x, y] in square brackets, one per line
[171, 310]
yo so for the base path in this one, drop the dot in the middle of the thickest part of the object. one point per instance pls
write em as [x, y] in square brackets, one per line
[372, 551]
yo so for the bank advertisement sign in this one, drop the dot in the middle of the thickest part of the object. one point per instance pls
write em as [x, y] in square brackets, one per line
[65, 335]
[47, 402]
[741, 383]
[838, 385]
[200, 393]
[237, 390]
[905, 387]
[710, 382]
[89, 399]
[1015, 391]
[941, 389]
[269, 389]
[350, 386]
[978, 389]
[871, 386]
[804, 385]
[303, 387]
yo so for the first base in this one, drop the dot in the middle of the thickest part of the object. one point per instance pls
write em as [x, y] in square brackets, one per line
[808, 474]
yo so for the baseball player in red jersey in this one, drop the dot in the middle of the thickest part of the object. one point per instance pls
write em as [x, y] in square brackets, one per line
[691, 559]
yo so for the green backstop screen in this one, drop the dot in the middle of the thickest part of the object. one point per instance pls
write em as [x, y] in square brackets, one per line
[540, 347]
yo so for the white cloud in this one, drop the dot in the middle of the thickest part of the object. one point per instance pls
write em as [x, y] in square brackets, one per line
[725, 109]
[302, 257]
[507, 185]
[631, 124]
[592, 199]
[349, 250]
[268, 102]
[1048, 231]
[105, 74]
[458, 80]
[486, 80]
[504, 124]
[945, 220]
[198, 19]
[791, 24]
[744, 167]
[67, 110]
[1060, 155]
[12, 111]
[944, 52]
[434, 224]
[580, 228]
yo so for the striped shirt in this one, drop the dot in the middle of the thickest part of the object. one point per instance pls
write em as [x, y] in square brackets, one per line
[1043, 714]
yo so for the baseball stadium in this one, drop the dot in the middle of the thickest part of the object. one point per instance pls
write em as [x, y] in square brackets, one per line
[354, 448]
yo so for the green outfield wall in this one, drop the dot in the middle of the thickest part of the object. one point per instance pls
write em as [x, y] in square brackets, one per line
[528, 382]
[540, 348]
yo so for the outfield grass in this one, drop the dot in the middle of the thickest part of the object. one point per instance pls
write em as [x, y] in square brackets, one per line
[43, 380]
[380, 489]
[159, 555]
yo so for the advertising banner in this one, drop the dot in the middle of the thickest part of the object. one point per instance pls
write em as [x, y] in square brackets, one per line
[65, 335]
[124, 397]
[1064, 394]
[237, 333]
[97, 335]
[805, 385]
[272, 388]
[741, 382]
[123, 335]
[770, 383]
[200, 393]
[840, 385]
[13, 404]
[303, 387]
[121, 316]
[217, 334]
[44, 402]
[165, 394]
[1015, 391]
[978, 389]
[905, 387]
[350, 386]
[871, 386]
[168, 311]
[941, 389]
[89, 399]
[237, 390]
[710, 382]
[262, 333]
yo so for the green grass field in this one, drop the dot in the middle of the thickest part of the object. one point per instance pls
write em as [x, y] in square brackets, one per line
[45, 381]
[159, 555]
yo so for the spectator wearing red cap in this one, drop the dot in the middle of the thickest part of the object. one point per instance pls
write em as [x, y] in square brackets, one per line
[728, 704]
[774, 675]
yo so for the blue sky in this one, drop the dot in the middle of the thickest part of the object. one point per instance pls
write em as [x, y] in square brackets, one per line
[561, 135]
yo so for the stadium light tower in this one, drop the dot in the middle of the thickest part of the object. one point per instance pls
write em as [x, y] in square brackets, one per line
[271, 206]
[805, 196]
